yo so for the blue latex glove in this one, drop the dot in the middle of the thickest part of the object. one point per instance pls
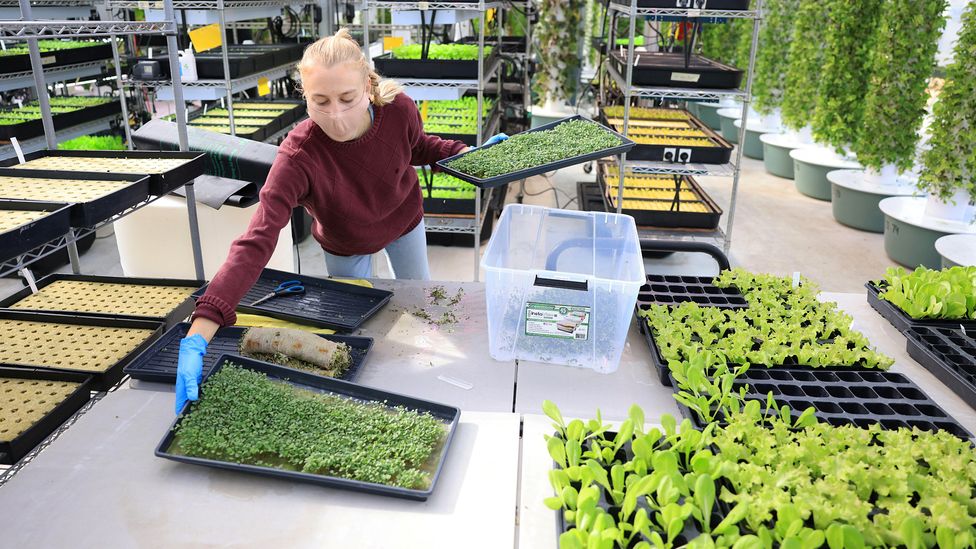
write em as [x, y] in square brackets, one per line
[189, 370]
[497, 138]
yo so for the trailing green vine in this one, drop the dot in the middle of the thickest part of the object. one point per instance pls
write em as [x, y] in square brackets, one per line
[847, 66]
[901, 63]
[950, 164]
[772, 56]
[806, 60]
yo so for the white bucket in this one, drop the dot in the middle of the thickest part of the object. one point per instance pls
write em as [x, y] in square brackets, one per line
[957, 208]
[887, 175]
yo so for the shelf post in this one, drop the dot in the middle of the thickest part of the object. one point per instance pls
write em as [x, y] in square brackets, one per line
[118, 79]
[37, 69]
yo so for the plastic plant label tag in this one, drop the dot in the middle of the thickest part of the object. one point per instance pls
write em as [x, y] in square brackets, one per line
[206, 38]
[684, 77]
[49, 60]
[796, 279]
[20, 154]
[559, 321]
[264, 87]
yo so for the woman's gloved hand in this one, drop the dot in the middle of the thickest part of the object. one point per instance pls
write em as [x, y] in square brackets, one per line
[497, 138]
[189, 370]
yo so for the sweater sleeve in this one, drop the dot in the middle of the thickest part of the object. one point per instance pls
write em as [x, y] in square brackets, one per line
[287, 183]
[428, 149]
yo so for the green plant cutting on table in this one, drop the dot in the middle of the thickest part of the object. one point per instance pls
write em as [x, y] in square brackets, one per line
[924, 293]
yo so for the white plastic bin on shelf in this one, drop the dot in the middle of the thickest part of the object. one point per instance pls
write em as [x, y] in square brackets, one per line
[561, 286]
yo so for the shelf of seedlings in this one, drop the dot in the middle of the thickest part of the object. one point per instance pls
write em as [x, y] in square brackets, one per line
[458, 119]
[660, 201]
[244, 60]
[25, 122]
[253, 119]
[668, 135]
[54, 54]
[438, 62]
[447, 195]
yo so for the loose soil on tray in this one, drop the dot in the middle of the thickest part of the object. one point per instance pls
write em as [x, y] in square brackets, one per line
[23, 402]
[102, 297]
[67, 346]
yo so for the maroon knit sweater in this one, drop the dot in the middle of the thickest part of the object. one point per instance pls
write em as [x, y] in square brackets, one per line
[363, 195]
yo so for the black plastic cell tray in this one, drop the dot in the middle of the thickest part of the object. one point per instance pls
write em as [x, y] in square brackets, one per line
[625, 146]
[52, 59]
[900, 319]
[210, 66]
[840, 397]
[718, 154]
[101, 381]
[269, 125]
[690, 4]
[448, 205]
[158, 363]
[34, 128]
[589, 196]
[448, 414]
[950, 354]
[25, 238]
[159, 183]
[457, 69]
[325, 303]
[510, 44]
[674, 290]
[669, 218]
[175, 316]
[669, 69]
[11, 451]
[87, 214]
[245, 132]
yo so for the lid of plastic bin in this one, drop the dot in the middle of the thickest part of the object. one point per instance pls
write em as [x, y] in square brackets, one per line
[537, 239]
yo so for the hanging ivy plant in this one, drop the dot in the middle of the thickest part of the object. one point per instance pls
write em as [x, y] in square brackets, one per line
[723, 42]
[901, 64]
[772, 57]
[558, 43]
[805, 62]
[950, 164]
[847, 64]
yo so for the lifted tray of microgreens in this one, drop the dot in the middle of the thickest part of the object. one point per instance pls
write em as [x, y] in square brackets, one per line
[258, 418]
[565, 142]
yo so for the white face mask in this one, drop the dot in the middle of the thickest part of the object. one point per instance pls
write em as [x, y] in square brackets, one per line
[340, 125]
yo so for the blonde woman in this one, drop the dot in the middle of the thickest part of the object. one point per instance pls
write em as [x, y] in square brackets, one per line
[349, 165]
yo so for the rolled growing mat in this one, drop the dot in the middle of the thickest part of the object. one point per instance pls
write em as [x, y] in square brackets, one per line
[292, 347]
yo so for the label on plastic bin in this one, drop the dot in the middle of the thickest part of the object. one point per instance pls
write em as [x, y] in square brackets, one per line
[684, 77]
[560, 321]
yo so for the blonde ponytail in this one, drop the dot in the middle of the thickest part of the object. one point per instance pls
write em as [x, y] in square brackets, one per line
[341, 47]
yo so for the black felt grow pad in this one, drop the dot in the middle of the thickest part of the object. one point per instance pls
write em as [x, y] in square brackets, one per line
[325, 303]
[174, 316]
[447, 414]
[28, 236]
[88, 214]
[158, 362]
[159, 183]
[624, 146]
[848, 397]
[674, 290]
[950, 354]
[900, 319]
[12, 450]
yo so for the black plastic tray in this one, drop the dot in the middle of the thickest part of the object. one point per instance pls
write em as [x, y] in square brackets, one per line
[158, 363]
[51, 59]
[210, 66]
[900, 319]
[159, 184]
[950, 354]
[31, 235]
[11, 451]
[175, 316]
[673, 219]
[675, 290]
[625, 146]
[448, 205]
[669, 69]
[269, 125]
[718, 154]
[245, 132]
[87, 214]
[690, 4]
[848, 397]
[510, 44]
[448, 414]
[101, 381]
[589, 196]
[287, 117]
[34, 128]
[325, 303]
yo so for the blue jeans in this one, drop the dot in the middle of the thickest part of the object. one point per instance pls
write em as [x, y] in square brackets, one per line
[408, 255]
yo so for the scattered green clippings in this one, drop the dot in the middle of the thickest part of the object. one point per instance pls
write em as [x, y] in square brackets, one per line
[442, 303]
[461, 52]
[924, 293]
[437, 293]
[530, 149]
[245, 417]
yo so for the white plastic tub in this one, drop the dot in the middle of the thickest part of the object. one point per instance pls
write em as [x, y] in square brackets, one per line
[561, 286]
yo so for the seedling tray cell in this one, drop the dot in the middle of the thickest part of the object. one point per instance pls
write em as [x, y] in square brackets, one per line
[158, 363]
[325, 303]
[670, 69]
[167, 170]
[624, 146]
[950, 354]
[88, 206]
[690, 4]
[158, 299]
[99, 347]
[900, 319]
[27, 225]
[64, 393]
[674, 290]
[447, 414]
[845, 397]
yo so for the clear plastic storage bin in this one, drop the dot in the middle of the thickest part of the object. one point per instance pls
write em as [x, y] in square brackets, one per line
[561, 286]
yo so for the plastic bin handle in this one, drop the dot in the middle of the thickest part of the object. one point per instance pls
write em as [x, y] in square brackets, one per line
[581, 285]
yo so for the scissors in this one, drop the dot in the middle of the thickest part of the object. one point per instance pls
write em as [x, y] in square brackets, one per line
[289, 287]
